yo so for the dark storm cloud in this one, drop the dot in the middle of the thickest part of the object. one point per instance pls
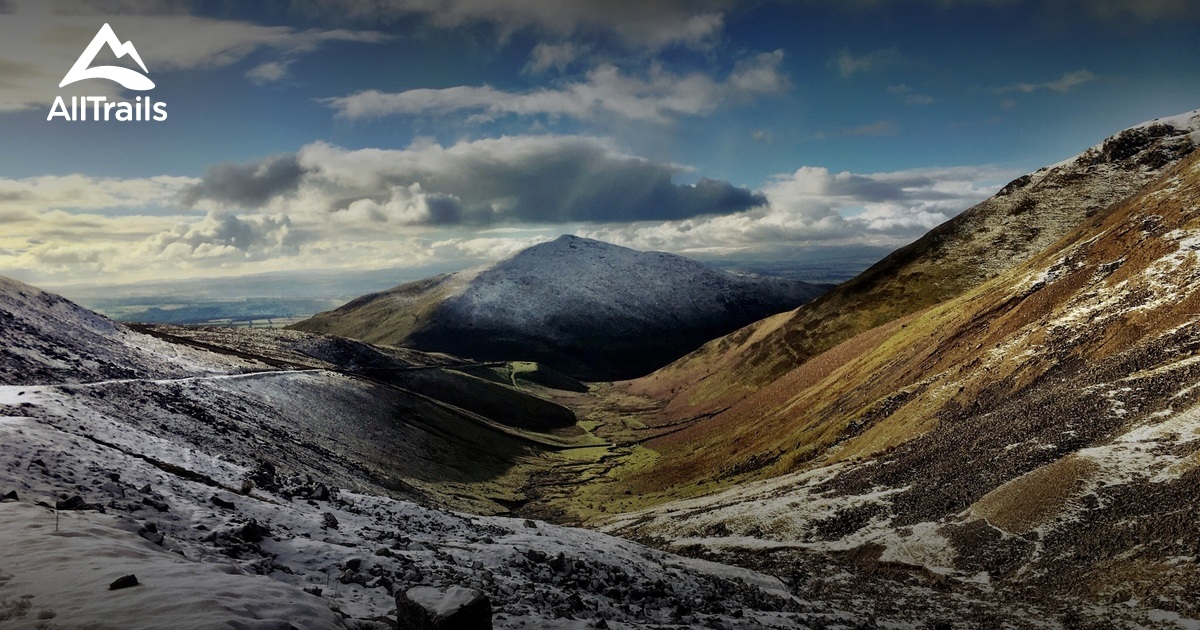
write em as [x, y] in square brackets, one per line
[246, 185]
[528, 179]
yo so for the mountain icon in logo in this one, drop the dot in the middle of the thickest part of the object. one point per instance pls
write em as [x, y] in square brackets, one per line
[130, 79]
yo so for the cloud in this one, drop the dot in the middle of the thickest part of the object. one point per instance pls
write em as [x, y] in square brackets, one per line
[269, 72]
[1062, 85]
[245, 184]
[848, 64]
[27, 196]
[910, 96]
[522, 179]
[407, 205]
[558, 56]
[637, 23]
[488, 247]
[660, 97]
[458, 204]
[814, 204]
[41, 44]
[223, 235]
[1109, 10]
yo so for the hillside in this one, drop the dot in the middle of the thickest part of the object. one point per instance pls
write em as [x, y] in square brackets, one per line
[1024, 218]
[1033, 441]
[264, 479]
[591, 309]
[46, 338]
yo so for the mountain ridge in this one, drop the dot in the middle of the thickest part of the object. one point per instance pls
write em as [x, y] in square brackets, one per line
[1027, 215]
[1035, 438]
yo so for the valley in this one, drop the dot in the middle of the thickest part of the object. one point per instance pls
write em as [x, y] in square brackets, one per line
[997, 425]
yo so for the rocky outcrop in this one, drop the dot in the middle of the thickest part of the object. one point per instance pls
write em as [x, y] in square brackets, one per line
[449, 608]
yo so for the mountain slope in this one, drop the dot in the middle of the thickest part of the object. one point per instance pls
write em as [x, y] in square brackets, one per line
[389, 421]
[1022, 219]
[45, 338]
[1035, 439]
[591, 309]
[243, 477]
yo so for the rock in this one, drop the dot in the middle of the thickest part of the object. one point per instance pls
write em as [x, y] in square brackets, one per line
[530, 524]
[328, 520]
[448, 608]
[11, 496]
[73, 503]
[252, 532]
[221, 503]
[161, 506]
[77, 503]
[264, 476]
[124, 581]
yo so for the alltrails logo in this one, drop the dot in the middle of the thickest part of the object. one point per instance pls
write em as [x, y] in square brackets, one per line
[100, 107]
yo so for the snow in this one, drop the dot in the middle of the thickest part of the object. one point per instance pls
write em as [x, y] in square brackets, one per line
[441, 602]
[1185, 121]
[153, 437]
[55, 446]
[1187, 124]
[58, 570]
[617, 283]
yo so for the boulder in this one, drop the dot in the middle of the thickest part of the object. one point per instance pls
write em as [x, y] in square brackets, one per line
[445, 608]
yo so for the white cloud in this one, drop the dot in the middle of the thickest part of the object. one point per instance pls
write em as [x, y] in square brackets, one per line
[638, 23]
[406, 205]
[815, 204]
[223, 236]
[848, 64]
[268, 72]
[329, 207]
[486, 247]
[40, 45]
[910, 96]
[659, 97]
[1062, 85]
[558, 56]
[27, 196]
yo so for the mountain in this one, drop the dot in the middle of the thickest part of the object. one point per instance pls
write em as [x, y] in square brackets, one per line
[1033, 442]
[264, 479]
[591, 309]
[1024, 218]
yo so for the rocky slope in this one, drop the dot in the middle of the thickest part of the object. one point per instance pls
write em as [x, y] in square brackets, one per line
[46, 338]
[593, 310]
[1024, 218]
[1035, 440]
[403, 423]
[255, 479]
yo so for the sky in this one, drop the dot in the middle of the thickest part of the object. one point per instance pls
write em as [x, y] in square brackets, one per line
[349, 135]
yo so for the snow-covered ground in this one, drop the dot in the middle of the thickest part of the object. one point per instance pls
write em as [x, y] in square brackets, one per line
[206, 554]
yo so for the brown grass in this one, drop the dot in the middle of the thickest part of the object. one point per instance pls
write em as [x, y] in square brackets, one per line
[1023, 504]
